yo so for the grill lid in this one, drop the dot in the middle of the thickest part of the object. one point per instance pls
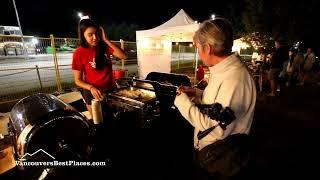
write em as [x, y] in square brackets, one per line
[169, 78]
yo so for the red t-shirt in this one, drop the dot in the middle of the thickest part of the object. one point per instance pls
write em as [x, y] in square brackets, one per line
[84, 61]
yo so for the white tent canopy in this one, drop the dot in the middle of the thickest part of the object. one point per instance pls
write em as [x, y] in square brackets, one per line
[154, 45]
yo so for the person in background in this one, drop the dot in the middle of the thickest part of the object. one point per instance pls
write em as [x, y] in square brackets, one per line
[264, 69]
[230, 84]
[297, 66]
[200, 73]
[265, 66]
[91, 64]
[278, 58]
[309, 60]
[291, 67]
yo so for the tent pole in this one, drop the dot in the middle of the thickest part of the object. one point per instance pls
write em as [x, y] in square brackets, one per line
[184, 51]
[194, 60]
[179, 56]
[196, 67]
[122, 47]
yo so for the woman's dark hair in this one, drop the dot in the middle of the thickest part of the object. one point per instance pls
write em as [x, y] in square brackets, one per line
[100, 48]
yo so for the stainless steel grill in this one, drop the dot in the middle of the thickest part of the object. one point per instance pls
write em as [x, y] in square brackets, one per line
[134, 102]
[140, 102]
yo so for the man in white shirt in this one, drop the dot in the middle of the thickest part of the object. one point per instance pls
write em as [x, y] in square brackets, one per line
[230, 84]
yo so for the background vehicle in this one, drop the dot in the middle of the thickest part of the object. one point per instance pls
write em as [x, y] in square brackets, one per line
[16, 48]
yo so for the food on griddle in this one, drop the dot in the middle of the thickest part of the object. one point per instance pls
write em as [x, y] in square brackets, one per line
[137, 94]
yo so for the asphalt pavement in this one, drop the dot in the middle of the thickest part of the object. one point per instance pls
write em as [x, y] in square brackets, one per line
[286, 130]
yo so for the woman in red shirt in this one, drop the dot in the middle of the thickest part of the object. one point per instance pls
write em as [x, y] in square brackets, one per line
[91, 64]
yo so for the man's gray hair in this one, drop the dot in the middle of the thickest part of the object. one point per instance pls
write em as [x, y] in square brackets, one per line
[218, 33]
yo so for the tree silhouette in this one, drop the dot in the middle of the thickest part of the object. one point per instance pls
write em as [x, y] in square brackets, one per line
[122, 30]
[291, 20]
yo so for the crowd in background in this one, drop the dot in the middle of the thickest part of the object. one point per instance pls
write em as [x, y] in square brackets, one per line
[286, 67]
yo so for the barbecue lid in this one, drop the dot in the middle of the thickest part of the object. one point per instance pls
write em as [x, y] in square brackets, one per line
[169, 78]
[136, 83]
[32, 108]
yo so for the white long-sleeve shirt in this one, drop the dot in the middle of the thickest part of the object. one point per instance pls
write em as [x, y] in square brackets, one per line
[231, 85]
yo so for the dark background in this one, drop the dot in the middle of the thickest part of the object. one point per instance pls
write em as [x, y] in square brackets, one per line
[61, 16]
[292, 20]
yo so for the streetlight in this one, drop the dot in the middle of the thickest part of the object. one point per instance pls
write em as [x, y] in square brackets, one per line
[213, 16]
[80, 15]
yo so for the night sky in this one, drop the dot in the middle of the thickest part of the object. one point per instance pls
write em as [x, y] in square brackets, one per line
[42, 17]
[60, 17]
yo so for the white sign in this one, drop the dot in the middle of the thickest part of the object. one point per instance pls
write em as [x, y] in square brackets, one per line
[11, 28]
[153, 56]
